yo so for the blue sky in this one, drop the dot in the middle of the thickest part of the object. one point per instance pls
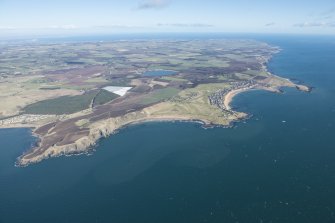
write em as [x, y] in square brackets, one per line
[40, 17]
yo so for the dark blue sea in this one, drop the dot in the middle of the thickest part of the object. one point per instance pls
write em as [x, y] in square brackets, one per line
[278, 166]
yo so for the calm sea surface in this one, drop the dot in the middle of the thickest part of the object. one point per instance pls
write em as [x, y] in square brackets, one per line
[278, 166]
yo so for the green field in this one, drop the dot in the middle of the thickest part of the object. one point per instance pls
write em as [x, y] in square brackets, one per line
[103, 97]
[62, 105]
[69, 104]
[160, 95]
[177, 79]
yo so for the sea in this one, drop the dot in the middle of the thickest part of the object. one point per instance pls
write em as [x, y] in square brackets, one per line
[277, 166]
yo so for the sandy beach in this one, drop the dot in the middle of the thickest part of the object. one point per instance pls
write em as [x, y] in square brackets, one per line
[231, 94]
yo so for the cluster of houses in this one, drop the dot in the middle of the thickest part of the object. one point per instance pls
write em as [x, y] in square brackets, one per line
[22, 119]
[217, 98]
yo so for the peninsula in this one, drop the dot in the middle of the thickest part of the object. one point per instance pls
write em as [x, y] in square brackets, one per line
[73, 94]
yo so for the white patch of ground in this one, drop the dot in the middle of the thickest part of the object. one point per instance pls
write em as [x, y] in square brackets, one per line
[117, 90]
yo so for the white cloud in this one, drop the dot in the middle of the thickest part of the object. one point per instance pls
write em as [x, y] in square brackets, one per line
[63, 27]
[193, 25]
[315, 24]
[270, 24]
[7, 28]
[116, 26]
[153, 4]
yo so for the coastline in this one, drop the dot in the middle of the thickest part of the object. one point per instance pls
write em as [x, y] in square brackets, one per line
[198, 109]
[228, 99]
[88, 151]
[105, 128]
[86, 144]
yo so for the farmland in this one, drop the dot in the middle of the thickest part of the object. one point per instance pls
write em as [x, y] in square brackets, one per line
[61, 105]
[60, 86]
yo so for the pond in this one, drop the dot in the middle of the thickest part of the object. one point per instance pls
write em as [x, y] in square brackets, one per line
[157, 73]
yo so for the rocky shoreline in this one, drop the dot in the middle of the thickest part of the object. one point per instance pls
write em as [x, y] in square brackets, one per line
[105, 128]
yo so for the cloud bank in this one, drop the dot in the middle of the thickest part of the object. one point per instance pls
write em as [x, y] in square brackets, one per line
[270, 24]
[191, 25]
[153, 4]
[315, 24]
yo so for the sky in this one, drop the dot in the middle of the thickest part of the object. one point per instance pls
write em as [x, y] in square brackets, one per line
[74, 17]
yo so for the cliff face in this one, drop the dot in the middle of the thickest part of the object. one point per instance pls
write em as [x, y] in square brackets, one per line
[98, 130]
[198, 109]
[109, 126]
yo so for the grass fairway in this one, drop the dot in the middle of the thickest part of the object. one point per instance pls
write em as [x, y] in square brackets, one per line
[160, 95]
[194, 103]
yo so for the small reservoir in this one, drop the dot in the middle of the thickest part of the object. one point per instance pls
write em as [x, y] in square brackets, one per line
[157, 73]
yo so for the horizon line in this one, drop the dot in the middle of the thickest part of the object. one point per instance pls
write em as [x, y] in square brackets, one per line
[146, 34]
